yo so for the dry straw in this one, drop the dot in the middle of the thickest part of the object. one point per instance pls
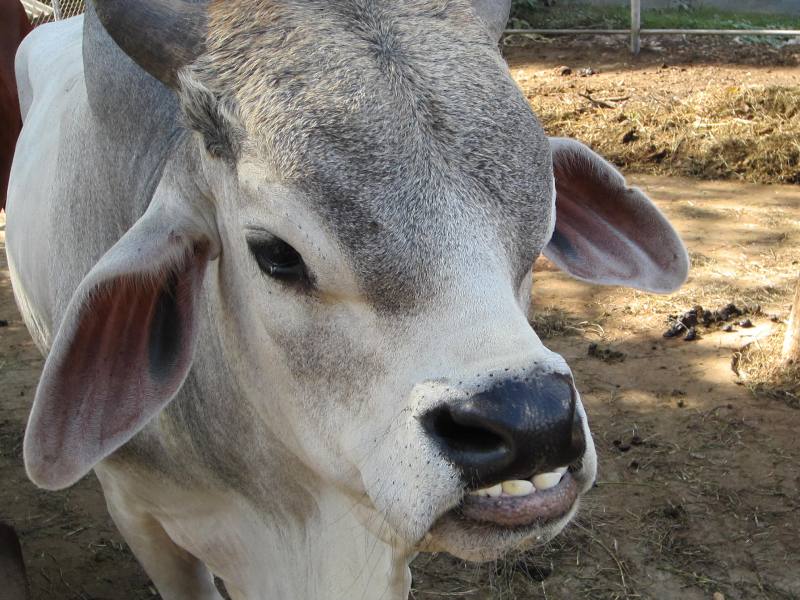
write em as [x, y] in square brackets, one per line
[750, 133]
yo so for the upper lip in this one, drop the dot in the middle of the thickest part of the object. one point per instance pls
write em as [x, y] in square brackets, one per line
[536, 508]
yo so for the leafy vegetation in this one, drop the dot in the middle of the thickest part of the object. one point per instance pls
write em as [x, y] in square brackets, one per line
[534, 13]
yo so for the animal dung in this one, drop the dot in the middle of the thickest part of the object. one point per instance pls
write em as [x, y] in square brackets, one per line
[619, 445]
[687, 323]
[605, 354]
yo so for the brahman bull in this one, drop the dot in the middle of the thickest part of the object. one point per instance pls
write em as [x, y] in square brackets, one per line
[278, 254]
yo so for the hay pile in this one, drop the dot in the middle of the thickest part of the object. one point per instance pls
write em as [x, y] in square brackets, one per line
[760, 369]
[751, 133]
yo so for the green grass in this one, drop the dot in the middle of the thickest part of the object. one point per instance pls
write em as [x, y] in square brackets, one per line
[530, 13]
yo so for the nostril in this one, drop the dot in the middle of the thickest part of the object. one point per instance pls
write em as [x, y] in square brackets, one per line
[462, 437]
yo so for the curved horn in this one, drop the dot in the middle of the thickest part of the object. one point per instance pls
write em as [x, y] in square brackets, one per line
[161, 36]
[494, 13]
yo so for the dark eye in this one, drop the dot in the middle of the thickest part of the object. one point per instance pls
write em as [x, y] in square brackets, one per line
[276, 258]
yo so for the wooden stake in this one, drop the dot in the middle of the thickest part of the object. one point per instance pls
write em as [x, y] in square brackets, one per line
[791, 342]
[636, 26]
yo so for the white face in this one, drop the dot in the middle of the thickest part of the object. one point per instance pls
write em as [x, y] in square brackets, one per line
[350, 383]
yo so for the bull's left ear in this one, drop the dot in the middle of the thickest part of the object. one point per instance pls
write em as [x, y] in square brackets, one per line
[607, 232]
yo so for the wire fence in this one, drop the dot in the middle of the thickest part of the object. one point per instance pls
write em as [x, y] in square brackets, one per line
[63, 9]
[636, 31]
[44, 11]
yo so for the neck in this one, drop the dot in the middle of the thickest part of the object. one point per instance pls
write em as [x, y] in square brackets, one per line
[335, 553]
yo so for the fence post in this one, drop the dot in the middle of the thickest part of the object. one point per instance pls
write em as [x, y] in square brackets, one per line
[56, 9]
[636, 26]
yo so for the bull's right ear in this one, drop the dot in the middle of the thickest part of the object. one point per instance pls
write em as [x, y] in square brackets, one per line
[607, 232]
[125, 344]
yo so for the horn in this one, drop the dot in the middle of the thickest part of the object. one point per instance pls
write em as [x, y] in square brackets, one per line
[494, 14]
[161, 36]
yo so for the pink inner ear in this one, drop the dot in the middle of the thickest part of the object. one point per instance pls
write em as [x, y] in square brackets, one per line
[587, 196]
[607, 232]
[115, 348]
[126, 357]
[595, 226]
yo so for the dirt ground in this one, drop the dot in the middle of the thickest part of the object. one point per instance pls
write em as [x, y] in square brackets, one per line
[699, 481]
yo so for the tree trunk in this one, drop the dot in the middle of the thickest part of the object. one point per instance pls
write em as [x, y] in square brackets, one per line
[791, 343]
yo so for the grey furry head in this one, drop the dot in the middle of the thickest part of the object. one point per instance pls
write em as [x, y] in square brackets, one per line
[379, 111]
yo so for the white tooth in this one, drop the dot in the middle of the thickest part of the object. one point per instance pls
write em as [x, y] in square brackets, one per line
[489, 492]
[544, 481]
[561, 470]
[495, 491]
[518, 487]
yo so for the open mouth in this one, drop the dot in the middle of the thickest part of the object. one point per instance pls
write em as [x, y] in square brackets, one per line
[522, 502]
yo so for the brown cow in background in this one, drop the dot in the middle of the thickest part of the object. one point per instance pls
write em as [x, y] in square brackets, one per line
[14, 25]
[13, 581]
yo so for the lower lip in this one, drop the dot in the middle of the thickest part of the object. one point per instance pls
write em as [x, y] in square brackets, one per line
[520, 511]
